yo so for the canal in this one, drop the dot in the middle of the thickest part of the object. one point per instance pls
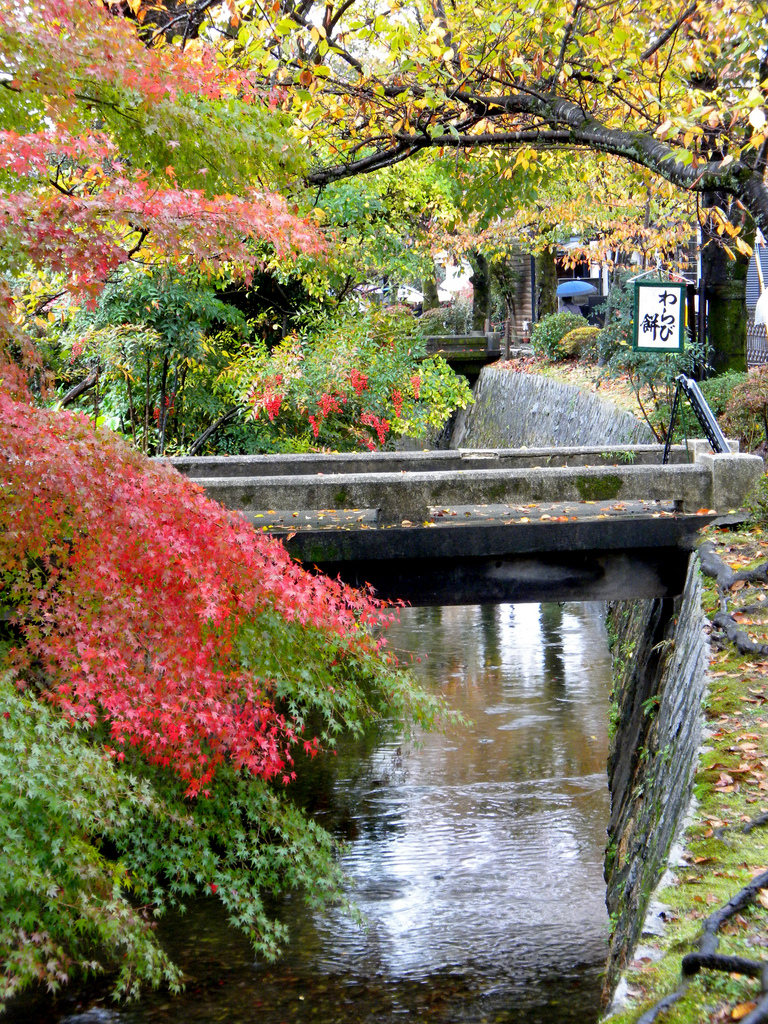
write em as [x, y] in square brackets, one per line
[474, 857]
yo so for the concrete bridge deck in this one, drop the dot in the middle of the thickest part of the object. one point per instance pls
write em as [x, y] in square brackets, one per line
[488, 525]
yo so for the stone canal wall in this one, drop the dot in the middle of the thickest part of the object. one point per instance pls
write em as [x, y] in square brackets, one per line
[660, 652]
[512, 410]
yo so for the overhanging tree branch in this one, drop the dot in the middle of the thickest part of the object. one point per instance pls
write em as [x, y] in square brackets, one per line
[567, 36]
[565, 124]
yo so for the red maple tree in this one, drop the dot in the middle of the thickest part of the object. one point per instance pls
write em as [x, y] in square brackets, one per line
[79, 196]
[132, 591]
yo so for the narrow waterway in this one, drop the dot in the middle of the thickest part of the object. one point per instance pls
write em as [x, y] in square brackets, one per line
[476, 858]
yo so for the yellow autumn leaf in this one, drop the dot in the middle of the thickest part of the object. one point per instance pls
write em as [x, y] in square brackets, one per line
[742, 1010]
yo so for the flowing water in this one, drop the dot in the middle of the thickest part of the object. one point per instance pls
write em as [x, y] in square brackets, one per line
[476, 857]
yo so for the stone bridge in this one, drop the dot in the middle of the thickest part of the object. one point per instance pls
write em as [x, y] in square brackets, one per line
[489, 525]
[466, 353]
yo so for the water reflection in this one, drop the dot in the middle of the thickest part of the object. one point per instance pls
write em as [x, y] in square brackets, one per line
[493, 850]
[476, 857]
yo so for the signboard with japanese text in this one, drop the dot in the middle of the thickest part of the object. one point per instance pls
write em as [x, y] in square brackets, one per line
[659, 316]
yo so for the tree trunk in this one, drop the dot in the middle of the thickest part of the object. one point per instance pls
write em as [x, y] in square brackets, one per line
[546, 282]
[725, 280]
[429, 291]
[481, 294]
[162, 414]
[146, 406]
[506, 275]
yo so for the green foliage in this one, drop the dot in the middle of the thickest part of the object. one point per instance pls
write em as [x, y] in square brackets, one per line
[579, 341]
[433, 321]
[210, 146]
[458, 316]
[547, 335]
[746, 413]
[179, 307]
[70, 908]
[353, 382]
[618, 311]
[174, 358]
[717, 392]
[453, 319]
[653, 379]
[159, 339]
[60, 897]
[381, 222]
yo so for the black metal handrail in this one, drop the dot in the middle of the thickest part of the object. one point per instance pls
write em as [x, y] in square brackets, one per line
[703, 414]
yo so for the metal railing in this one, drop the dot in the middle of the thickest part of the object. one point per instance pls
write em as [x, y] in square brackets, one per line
[757, 344]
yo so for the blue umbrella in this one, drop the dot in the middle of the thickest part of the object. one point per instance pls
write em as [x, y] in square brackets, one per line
[576, 288]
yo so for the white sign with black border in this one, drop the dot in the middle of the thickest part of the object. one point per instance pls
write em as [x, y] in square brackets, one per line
[659, 323]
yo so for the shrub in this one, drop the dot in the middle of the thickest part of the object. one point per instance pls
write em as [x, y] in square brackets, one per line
[547, 335]
[458, 316]
[432, 321]
[157, 336]
[746, 413]
[579, 341]
[716, 391]
[399, 310]
[354, 382]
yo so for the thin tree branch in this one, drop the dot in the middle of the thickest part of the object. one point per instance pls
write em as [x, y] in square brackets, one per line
[194, 15]
[143, 232]
[200, 441]
[79, 389]
[570, 23]
[668, 33]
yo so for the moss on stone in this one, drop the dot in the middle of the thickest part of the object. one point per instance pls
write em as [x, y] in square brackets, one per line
[602, 488]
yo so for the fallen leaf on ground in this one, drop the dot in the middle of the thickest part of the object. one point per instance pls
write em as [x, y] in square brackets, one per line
[742, 1010]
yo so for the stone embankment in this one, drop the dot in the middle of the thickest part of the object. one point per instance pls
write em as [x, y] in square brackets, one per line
[514, 410]
[660, 655]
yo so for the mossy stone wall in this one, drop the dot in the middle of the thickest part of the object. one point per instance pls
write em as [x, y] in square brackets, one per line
[661, 653]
